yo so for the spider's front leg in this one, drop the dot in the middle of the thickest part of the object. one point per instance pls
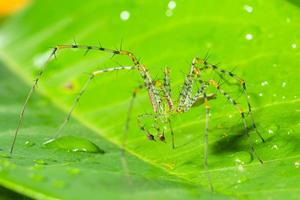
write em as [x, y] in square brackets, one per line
[242, 113]
[84, 88]
[142, 70]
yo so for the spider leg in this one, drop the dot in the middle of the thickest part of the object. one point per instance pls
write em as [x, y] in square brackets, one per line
[141, 124]
[207, 109]
[235, 104]
[167, 89]
[126, 128]
[82, 91]
[243, 85]
[172, 133]
[134, 93]
[186, 90]
[153, 93]
[31, 91]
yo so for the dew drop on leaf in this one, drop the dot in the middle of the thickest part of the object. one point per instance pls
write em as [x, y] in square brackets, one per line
[272, 129]
[242, 157]
[297, 164]
[29, 143]
[73, 144]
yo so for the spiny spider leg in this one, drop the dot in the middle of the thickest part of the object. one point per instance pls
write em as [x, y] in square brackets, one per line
[187, 86]
[172, 133]
[92, 76]
[152, 92]
[207, 109]
[28, 98]
[242, 113]
[243, 85]
[167, 89]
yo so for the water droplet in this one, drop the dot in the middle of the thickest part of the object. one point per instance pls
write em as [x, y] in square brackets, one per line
[297, 164]
[272, 129]
[72, 143]
[29, 143]
[283, 97]
[238, 161]
[294, 46]
[283, 84]
[249, 36]
[248, 8]
[274, 146]
[242, 157]
[239, 164]
[73, 171]
[124, 15]
[264, 83]
[230, 116]
[172, 5]
[260, 94]
[239, 181]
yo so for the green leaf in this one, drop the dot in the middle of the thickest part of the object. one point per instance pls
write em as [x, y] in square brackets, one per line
[259, 39]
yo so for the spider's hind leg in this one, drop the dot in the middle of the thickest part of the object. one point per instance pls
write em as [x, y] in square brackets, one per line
[242, 113]
[207, 110]
[243, 86]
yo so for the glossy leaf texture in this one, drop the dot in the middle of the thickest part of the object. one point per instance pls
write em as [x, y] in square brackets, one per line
[258, 40]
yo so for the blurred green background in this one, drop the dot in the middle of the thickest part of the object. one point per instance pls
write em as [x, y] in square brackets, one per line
[257, 39]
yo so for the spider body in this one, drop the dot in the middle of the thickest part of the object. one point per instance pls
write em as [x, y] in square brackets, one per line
[160, 96]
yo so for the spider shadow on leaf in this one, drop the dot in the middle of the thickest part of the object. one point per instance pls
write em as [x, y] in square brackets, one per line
[233, 142]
